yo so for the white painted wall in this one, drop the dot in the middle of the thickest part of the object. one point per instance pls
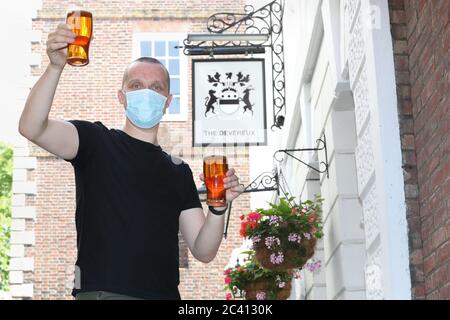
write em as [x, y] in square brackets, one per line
[15, 57]
[388, 254]
[15, 84]
[340, 79]
[347, 89]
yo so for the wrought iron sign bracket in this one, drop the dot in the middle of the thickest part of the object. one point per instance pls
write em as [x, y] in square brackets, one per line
[266, 181]
[251, 32]
[321, 146]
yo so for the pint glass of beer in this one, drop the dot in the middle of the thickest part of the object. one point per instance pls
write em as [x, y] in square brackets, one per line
[214, 170]
[80, 22]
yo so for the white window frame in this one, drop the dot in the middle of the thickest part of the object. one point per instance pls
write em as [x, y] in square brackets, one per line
[138, 37]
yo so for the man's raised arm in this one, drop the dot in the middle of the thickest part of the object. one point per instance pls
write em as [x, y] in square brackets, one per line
[55, 136]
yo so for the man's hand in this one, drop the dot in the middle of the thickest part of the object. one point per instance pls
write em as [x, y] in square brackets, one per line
[204, 235]
[231, 183]
[57, 43]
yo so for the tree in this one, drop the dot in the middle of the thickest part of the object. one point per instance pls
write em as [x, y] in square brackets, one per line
[6, 157]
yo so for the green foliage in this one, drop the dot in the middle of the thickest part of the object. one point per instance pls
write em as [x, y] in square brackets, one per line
[290, 219]
[6, 160]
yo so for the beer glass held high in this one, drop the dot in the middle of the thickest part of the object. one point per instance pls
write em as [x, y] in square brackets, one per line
[80, 22]
[214, 171]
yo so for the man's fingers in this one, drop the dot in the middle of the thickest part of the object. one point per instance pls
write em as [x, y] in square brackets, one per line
[66, 33]
[230, 172]
[231, 179]
[57, 46]
[232, 184]
[62, 39]
[201, 177]
[239, 188]
[62, 30]
[64, 26]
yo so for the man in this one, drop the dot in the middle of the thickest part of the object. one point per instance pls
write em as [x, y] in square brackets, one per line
[131, 198]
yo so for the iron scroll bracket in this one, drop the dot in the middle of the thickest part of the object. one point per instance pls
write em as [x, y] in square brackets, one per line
[266, 181]
[322, 146]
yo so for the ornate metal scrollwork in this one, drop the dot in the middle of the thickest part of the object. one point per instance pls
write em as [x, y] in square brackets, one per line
[251, 21]
[266, 181]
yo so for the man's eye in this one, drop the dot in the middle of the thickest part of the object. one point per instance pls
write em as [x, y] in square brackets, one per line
[136, 86]
[157, 88]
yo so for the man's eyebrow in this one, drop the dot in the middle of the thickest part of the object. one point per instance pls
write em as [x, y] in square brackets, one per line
[161, 83]
[134, 80]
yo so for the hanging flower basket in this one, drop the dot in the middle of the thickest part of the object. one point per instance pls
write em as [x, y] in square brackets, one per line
[284, 236]
[261, 290]
[294, 258]
[253, 282]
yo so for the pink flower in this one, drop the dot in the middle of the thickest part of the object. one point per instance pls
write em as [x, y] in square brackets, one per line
[313, 266]
[256, 239]
[271, 241]
[227, 280]
[280, 284]
[254, 216]
[274, 220]
[296, 274]
[228, 296]
[277, 258]
[227, 271]
[293, 237]
[261, 296]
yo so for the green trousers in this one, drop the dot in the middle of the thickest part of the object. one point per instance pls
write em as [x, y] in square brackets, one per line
[103, 295]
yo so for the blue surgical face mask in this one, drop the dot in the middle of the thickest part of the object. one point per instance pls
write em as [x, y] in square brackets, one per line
[145, 108]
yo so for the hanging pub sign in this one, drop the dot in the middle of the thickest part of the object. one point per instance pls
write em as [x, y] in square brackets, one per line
[229, 102]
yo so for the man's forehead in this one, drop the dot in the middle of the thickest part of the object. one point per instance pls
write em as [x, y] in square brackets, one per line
[147, 71]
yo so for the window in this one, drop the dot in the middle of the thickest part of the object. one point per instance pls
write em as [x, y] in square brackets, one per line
[162, 47]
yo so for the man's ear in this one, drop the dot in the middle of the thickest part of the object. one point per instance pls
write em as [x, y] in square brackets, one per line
[122, 98]
[168, 101]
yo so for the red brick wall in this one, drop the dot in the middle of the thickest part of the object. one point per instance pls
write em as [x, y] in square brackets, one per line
[90, 93]
[421, 35]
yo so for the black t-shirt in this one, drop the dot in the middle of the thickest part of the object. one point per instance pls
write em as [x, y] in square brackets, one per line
[129, 195]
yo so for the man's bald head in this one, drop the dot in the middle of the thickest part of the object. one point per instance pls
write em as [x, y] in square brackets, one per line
[150, 61]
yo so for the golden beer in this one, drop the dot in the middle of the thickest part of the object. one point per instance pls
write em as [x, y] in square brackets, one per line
[214, 171]
[80, 22]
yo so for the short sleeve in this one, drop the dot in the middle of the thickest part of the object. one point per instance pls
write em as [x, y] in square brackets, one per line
[88, 135]
[190, 198]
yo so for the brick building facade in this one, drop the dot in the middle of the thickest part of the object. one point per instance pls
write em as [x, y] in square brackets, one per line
[421, 35]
